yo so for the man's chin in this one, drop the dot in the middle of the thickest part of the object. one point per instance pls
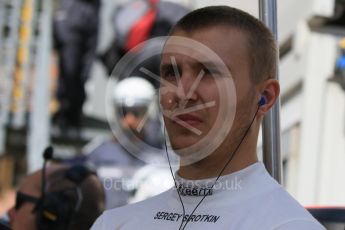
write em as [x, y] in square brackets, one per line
[188, 152]
[193, 150]
[179, 147]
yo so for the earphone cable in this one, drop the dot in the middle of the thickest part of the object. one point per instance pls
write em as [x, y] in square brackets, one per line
[172, 174]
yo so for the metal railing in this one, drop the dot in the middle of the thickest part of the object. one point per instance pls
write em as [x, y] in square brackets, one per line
[271, 124]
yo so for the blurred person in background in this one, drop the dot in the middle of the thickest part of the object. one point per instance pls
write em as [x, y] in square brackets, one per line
[75, 30]
[119, 157]
[138, 21]
[72, 199]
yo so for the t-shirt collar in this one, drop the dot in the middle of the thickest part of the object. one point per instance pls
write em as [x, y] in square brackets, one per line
[209, 187]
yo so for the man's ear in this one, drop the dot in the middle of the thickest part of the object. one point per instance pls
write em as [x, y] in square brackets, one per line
[270, 90]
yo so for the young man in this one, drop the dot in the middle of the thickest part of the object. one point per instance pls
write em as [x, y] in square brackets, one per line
[221, 84]
[73, 199]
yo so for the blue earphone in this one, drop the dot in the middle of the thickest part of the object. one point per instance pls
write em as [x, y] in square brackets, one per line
[262, 101]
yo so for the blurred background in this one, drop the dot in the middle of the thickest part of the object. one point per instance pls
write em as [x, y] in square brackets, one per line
[40, 44]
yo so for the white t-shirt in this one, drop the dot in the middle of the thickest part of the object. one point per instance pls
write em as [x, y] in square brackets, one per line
[244, 200]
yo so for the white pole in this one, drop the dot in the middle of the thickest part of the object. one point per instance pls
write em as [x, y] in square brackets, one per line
[8, 59]
[39, 136]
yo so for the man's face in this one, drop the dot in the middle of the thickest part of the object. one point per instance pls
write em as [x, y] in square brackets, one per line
[23, 218]
[230, 46]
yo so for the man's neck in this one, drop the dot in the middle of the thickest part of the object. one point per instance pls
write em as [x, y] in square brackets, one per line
[212, 165]
[206, 169]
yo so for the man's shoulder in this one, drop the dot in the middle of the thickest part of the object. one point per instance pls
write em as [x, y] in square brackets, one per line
[270, 199]
[284, 211]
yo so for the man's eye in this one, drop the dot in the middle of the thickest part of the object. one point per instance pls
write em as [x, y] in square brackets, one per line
[168, 75]
[210, 72]
[207, 71]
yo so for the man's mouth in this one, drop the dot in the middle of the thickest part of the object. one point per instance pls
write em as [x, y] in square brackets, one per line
[190, 119]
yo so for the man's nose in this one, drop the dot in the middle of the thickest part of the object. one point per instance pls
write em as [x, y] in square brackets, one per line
[187, 87]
